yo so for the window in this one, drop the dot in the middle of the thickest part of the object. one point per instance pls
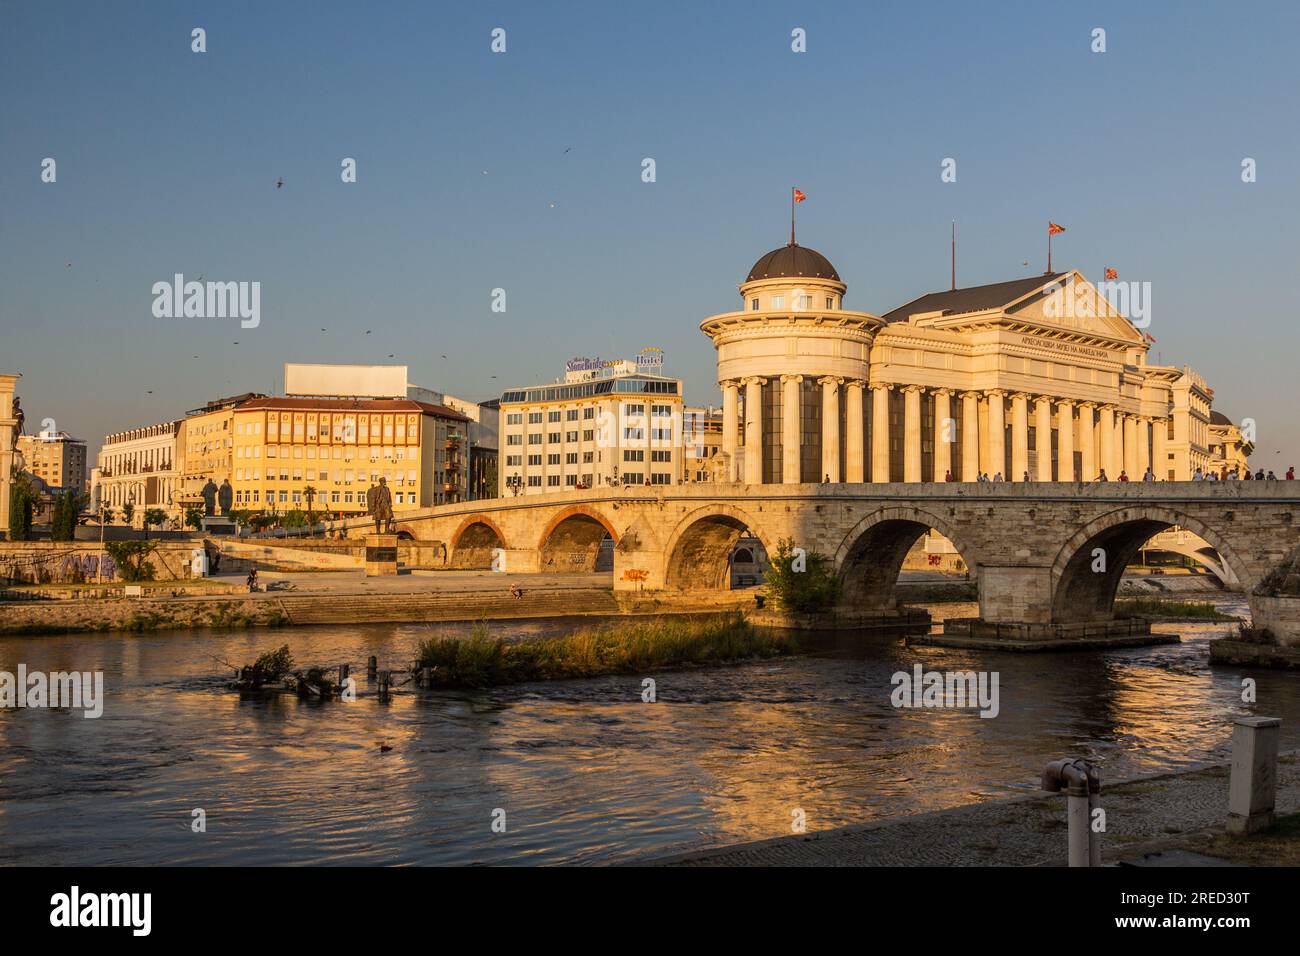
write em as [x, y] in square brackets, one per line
[553, 416]
[661, 479]
[778, 302]
[801, 301]
[553, 437]
[571, 415]
[830, 302]
[570, 436]
[515, 418]
[534, 481]
[588, 434]
[535, 439]
[753, 305]
[634, 434]
[553, 481]
[587, 457]
[534, 418]
[514, 439]
[588, 413]
[514, 460]
[552, 459]
[661, 456]
[630, 455]
[571, 458]
[637, 409]
[535, 460]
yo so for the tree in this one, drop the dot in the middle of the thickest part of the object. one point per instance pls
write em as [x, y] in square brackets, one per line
[63, 516]
[128, 512]
[154, 516]
[193, 518]
[132, 559]
[295, 518]
[22, 498]
[801, 580]
[106, 515]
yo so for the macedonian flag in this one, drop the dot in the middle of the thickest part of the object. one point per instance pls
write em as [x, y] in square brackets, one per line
[1111, 274]
[1053, 229]
[799, 195]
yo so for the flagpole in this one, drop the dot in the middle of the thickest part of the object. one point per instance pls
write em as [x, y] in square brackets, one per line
[792, 215]
[1049, 249]
[954, 255]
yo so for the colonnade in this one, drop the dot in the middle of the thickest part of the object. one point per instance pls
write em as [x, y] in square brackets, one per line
[1105, 436]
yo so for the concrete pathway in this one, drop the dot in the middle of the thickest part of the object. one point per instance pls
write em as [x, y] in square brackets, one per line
[1023, 831]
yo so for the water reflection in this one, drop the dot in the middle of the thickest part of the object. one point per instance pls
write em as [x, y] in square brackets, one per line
[583, 770]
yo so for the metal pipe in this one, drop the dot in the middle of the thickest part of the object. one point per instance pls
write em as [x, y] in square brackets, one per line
[1082, 783]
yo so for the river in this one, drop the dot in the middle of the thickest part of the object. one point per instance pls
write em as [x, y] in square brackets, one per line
[582, 771]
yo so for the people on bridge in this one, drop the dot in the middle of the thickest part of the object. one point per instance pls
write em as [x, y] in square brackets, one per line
[1198, 475]
[1102, 476]
[983, 477]
[1026, 478]
[1247, 476]
[1123, 475]
[1149, 476]
[1271, 476]
[1233, 476]
[1259, 475]
[252, 580]
[1290, 473]
[947, 476]
[998, 477]
[1213, 476]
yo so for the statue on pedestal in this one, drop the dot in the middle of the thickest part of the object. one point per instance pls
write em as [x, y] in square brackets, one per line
[225, 496]
[379, 505]
[209, 493]
[19, 417]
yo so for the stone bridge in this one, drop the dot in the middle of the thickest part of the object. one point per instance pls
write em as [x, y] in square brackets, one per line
[1042, 553]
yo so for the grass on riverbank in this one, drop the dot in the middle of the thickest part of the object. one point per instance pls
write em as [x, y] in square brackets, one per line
[1166, 608]
[481, 660]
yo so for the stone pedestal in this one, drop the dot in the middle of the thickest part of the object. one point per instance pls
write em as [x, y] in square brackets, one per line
[381, 555]
[1253, 785]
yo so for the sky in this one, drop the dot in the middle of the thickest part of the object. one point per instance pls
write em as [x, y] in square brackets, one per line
[522, 171]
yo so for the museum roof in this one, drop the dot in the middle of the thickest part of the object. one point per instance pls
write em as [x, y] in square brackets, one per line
[793, 261]
[1218, 418]
[974, 299]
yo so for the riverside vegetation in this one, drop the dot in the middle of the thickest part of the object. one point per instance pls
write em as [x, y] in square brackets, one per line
[481, 660]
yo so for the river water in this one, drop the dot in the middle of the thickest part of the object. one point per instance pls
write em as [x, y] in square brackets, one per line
[583, 771]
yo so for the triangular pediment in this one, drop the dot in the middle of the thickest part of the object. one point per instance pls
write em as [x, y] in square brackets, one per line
[1073, 304]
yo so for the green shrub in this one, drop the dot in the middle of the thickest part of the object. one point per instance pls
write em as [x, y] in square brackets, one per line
[807, 583]
[132, 559]
[22, 498]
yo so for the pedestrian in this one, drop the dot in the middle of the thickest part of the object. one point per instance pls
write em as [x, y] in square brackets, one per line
[252, 580]
[1259, 475]
[1290, 473]
[1123, 475]
[1102, 476]
[1026, 478]
[947, 476]
[1149, 476]
[1198, 476]
[1271, 476]
[997, 477]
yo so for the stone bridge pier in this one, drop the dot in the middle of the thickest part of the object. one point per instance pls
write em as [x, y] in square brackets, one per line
[1047, 557]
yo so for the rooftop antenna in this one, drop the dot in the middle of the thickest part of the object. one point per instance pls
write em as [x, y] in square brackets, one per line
[954, 255]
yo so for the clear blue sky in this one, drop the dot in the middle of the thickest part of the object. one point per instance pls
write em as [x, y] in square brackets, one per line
[167, 162]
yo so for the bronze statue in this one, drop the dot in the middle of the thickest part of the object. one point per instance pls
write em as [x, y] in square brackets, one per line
[225, 496]
[209, 493]
[379, 504]
[19, 417]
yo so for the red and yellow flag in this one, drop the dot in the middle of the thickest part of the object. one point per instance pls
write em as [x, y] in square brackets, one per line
[1053, 229]
[1111, 274]
[799, 195]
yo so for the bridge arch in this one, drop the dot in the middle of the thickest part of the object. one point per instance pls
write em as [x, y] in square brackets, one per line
[871, 555]
[1080, 593]
[473, 542]
[572, 539]
[700, 545]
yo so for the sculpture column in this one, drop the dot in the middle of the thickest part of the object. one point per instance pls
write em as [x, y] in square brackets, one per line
[1160, 434]
[1043, 438]
[1019, 436]
[730, 412]
[854, 444]
[830, 428]
[970, 436]
[1065, 441]
[997, 442]
[790, 432]
[945, 433]
[880, 432]
[1107, 426]
[912, 434]
[1087, 443]
[754, 431]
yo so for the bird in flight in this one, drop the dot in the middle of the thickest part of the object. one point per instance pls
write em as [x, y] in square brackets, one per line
[279, 183]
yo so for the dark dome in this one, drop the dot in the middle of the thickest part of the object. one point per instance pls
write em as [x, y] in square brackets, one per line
[1218, 418]
[793, 261]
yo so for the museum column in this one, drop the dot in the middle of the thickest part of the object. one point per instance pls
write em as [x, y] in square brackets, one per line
[1087, 443]
[1043, 438]
[730, 408]
[945, 433]
[1019, 436]
[830, 428]
[970, 436]
[1106, 422]
[880, 432]
[854, 443]
[790, 432]
[754, 431]
[1159, 452]
[1065, 441]
[912, 434]
[997, 440]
